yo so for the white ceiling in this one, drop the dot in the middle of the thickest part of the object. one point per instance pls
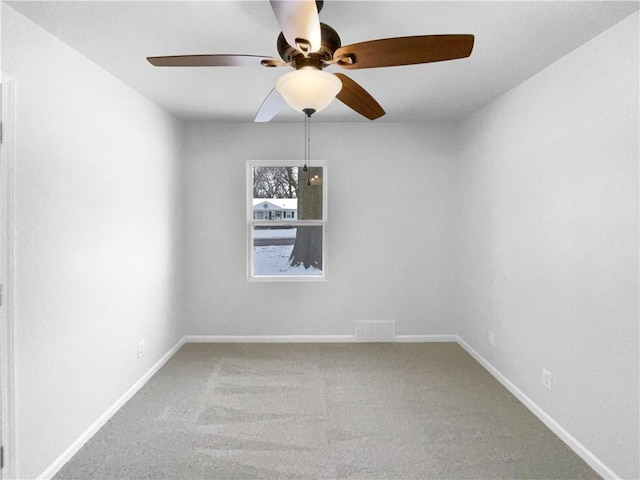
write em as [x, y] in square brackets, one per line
[514, 40]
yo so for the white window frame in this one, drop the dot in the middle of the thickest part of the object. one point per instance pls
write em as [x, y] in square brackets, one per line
[251, 223]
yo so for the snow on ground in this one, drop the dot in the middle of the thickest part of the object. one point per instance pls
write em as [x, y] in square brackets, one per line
[274, 260]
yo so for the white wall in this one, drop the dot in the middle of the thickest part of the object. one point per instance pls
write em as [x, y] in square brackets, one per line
[97, 233]
[390, 227]
[548, 241]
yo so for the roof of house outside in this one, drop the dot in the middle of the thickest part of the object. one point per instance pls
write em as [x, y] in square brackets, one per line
[278, 203]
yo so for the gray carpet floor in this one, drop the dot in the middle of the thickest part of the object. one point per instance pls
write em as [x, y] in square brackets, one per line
[324, 411]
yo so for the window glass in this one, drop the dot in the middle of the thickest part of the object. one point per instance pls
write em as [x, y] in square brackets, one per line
[287, 214]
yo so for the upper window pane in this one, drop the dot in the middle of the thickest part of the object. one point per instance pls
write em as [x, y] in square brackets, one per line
[286, 193]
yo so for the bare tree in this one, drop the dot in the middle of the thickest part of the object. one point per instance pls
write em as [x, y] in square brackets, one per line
[275, 182]
[307, 249]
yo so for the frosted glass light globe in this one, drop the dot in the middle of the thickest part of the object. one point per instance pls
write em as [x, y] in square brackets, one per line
[308, 88]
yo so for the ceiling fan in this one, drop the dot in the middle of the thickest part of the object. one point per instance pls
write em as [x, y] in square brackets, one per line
[310, 46]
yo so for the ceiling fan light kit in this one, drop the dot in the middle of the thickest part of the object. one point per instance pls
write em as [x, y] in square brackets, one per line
[308, 88]
[310, 46]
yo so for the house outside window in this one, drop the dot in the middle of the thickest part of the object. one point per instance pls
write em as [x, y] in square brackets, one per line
[274, 208]
[286, 221]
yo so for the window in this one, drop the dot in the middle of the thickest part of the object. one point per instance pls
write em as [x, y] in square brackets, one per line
[286, 220]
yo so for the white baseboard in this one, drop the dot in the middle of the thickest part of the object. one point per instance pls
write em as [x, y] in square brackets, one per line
[310, 338]
[269, 338]
[97, 425]
[582, 451]
[426, 338]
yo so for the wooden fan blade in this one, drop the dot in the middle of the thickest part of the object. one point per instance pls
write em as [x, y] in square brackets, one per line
[270, 107]
[392, 52]
[214, 61]
[299, 22]
[358, 99]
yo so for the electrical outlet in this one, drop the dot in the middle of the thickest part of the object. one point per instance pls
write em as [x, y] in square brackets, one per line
[547, 379]
[140, 348]
[492, 338]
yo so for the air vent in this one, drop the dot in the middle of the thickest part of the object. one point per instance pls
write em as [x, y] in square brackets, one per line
[375, 330]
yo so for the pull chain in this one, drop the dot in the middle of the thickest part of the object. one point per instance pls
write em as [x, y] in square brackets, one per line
[308, 159]
[306, 143]
[307, 131]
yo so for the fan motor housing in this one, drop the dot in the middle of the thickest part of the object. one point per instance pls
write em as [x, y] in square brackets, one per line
[330, 42]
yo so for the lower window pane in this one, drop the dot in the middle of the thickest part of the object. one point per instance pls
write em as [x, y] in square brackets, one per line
[287, 251]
